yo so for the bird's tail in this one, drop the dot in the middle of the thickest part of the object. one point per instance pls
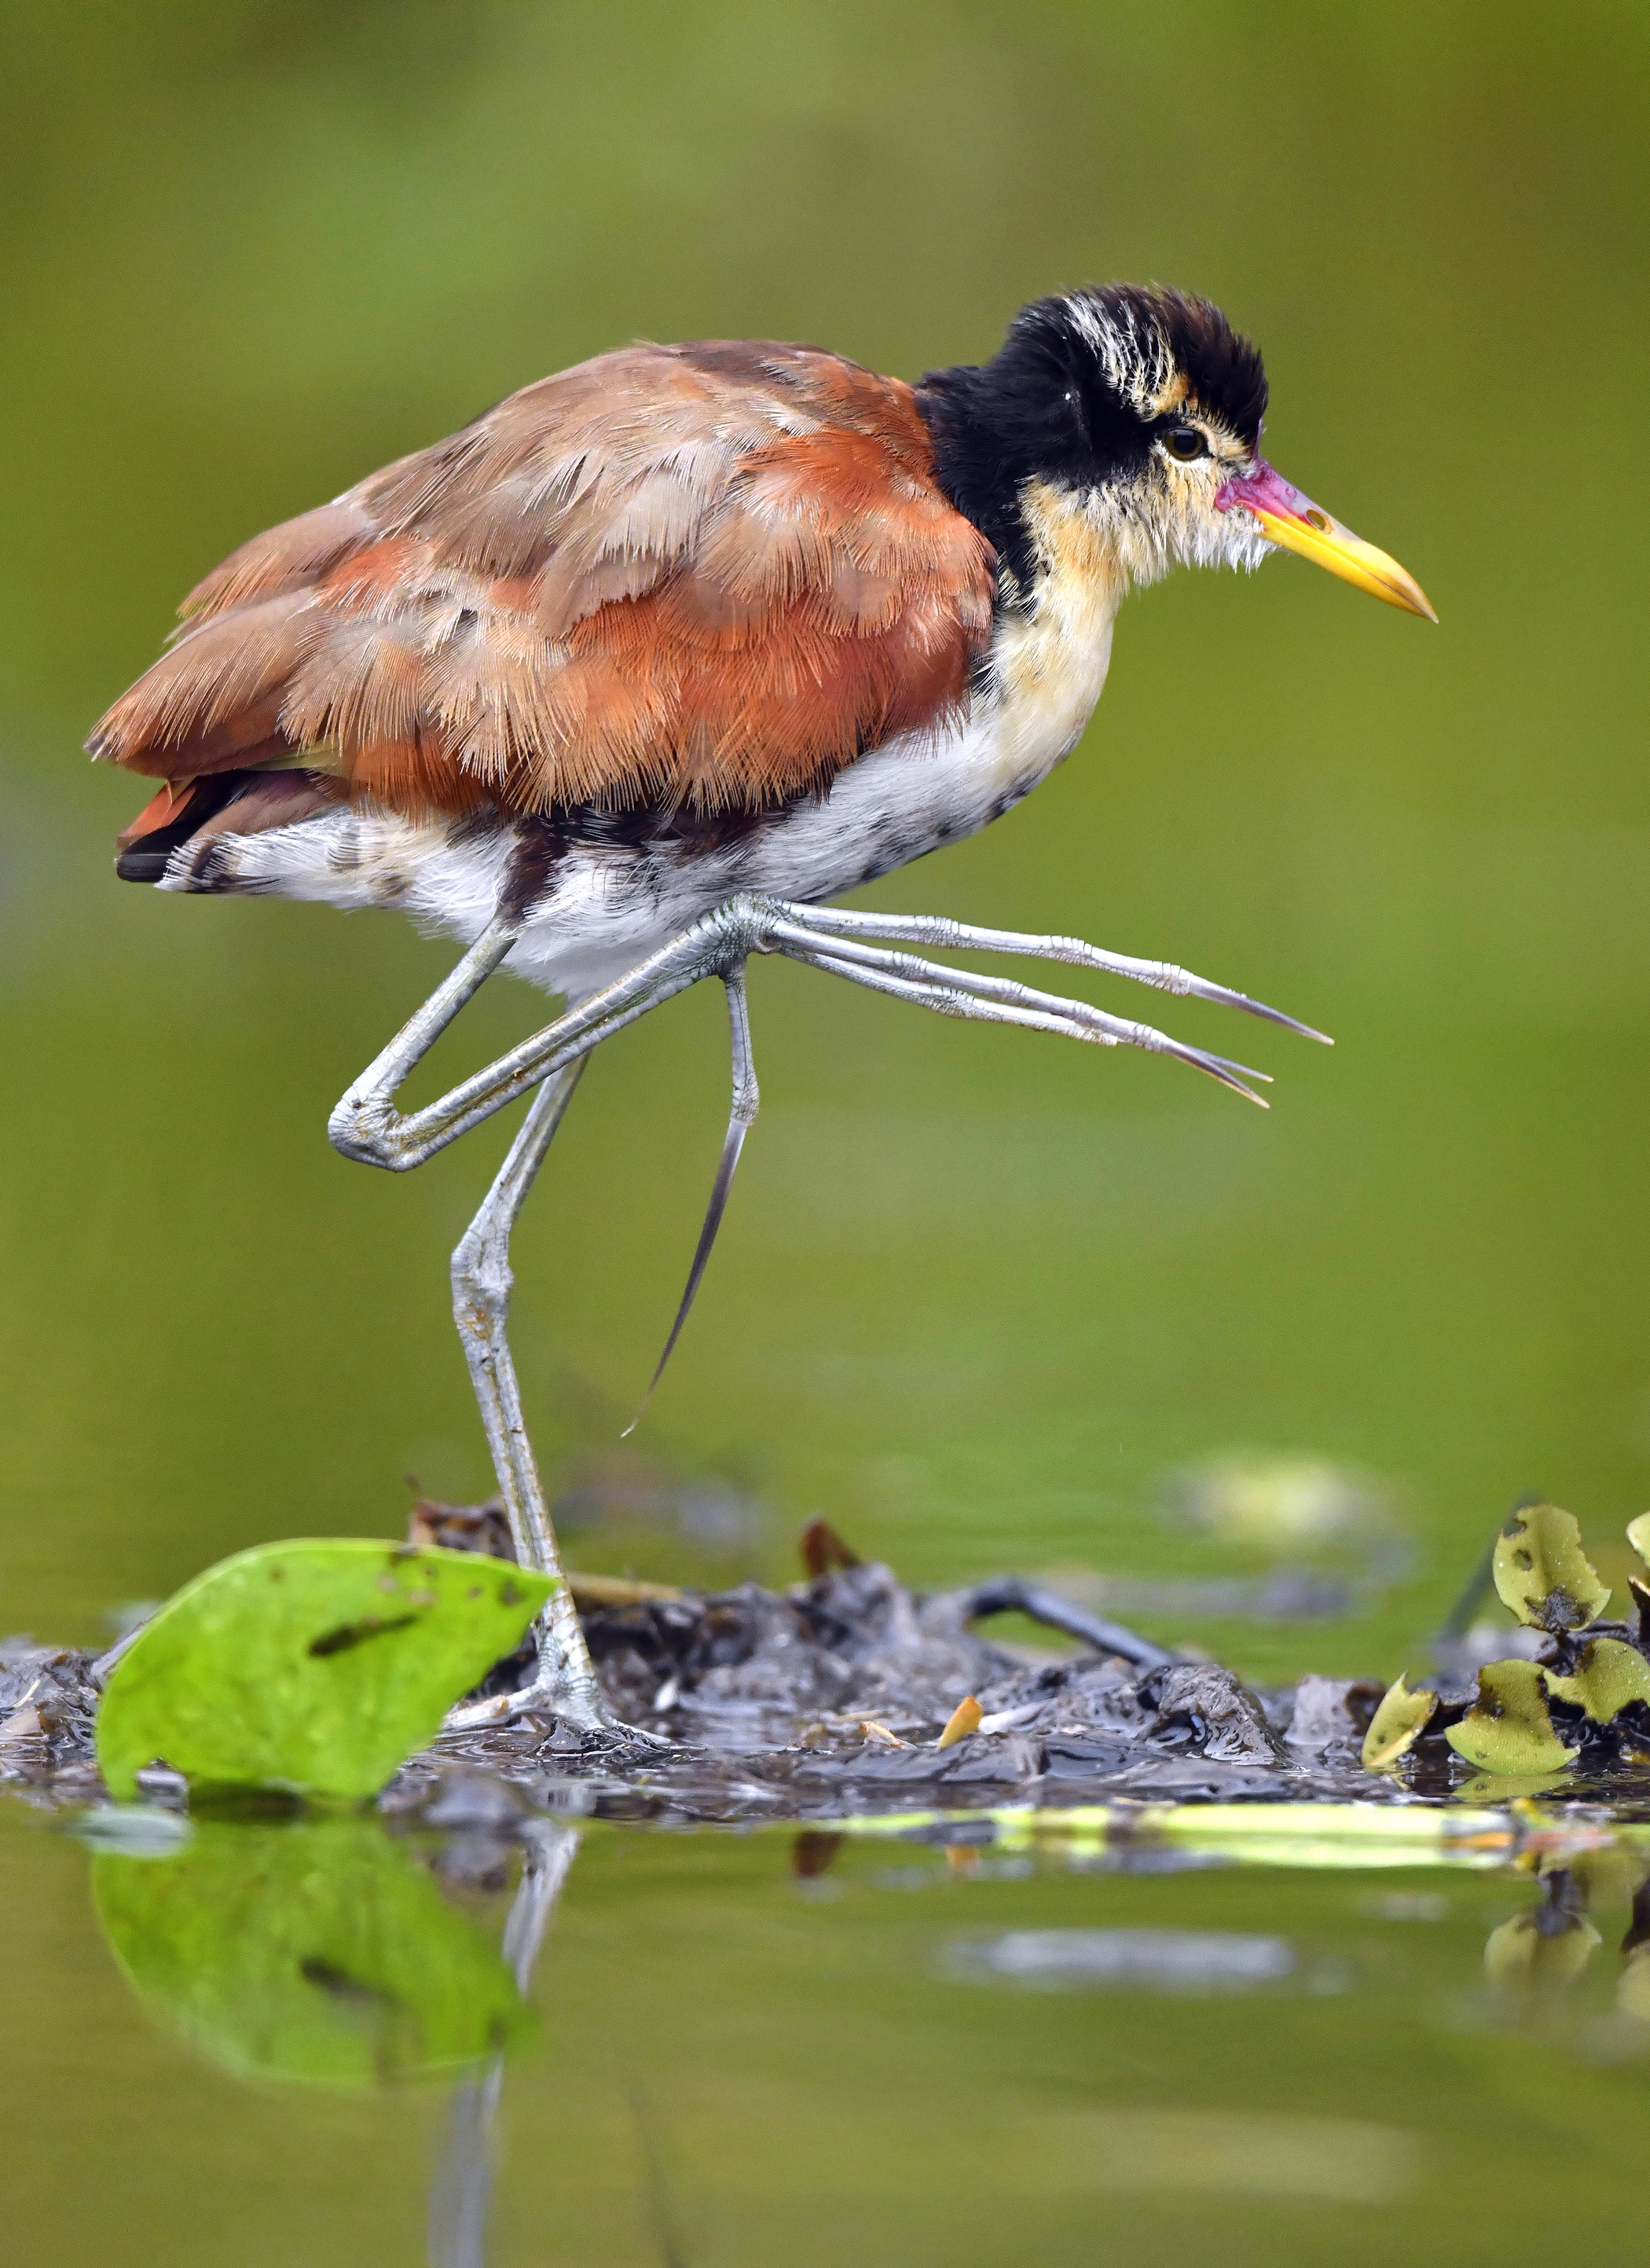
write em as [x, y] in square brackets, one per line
[178, 836]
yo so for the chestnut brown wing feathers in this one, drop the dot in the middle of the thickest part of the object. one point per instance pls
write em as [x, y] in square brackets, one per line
[705, 576]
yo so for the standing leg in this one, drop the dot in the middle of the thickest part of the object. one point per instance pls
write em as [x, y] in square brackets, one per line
[482, 1283]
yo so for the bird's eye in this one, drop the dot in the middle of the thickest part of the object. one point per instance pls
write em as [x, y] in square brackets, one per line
[1185, 444]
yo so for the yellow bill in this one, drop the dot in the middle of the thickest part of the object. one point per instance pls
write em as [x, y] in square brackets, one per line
[1287, 517]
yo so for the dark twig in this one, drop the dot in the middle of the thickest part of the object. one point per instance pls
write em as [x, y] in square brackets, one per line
[1011, 1594]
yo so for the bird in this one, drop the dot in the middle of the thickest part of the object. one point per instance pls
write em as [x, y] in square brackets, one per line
[638, 671]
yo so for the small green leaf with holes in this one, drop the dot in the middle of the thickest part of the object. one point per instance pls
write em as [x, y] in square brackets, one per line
[1608, 1676]
[1400, 1720]
[1543, 1575]
[316, 1665]
[1508, 1729]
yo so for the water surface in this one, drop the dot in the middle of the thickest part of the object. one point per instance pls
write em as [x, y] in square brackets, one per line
[902, 2054]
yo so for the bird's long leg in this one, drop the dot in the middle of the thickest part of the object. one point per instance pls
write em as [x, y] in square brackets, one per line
[482, 1284]
[742, 1118]
[366, 1126]
[947, 936]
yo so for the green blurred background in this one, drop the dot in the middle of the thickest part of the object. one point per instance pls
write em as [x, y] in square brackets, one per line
[979, 1294]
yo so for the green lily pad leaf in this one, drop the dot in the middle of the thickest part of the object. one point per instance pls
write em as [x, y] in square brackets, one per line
[1508, 1728]
[1638, 1536]
[321, 1950]
[1543, 1575]
[317, 1665]
[1610, 1675]
[1400, 1719]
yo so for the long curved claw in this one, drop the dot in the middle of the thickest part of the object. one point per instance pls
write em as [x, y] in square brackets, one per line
[746, 1099]
[731, 1147]
[1199, 987]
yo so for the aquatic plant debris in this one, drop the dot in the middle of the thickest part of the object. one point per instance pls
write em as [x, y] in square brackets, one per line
[316, 1665]
[1396, 1725]
[827, 1700]
[1541, 1573]
[1611, 1675]
[1509, 1728]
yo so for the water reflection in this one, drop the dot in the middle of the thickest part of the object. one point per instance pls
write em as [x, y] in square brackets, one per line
[363, 1955]
[315, 1950]
[1535, 1961]
[329, 1950]
[462, 2190]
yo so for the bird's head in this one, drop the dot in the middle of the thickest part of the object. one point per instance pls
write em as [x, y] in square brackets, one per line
[1136, 414]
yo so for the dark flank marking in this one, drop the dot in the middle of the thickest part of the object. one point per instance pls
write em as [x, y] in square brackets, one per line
[543, 843]
[509, 1595]
[349, 1634]
[648, 827]
[530, 873]
[476, 826]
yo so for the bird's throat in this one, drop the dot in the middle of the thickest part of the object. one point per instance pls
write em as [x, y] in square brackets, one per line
[1051, 650]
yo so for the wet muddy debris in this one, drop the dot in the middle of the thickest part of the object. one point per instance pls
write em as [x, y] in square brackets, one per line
[850, 1694]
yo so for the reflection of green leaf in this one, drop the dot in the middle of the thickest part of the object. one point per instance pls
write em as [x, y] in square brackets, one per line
[317, 1665]
[1400, 1719]
[1610, 1675]
[321, 1951]
[1639, 1535]
[1529, 1950]
[1508, 1728]
[1510, 1787]
[1542, 1572]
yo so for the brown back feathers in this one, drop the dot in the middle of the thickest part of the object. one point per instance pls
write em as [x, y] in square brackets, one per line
[705, 575]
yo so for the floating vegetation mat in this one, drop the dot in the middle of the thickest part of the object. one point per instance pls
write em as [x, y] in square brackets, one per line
[851, 1698]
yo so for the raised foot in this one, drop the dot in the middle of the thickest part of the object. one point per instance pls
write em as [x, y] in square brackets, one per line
[840, 944]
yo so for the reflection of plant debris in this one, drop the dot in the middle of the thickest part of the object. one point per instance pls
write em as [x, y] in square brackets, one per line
[1546, 1945]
